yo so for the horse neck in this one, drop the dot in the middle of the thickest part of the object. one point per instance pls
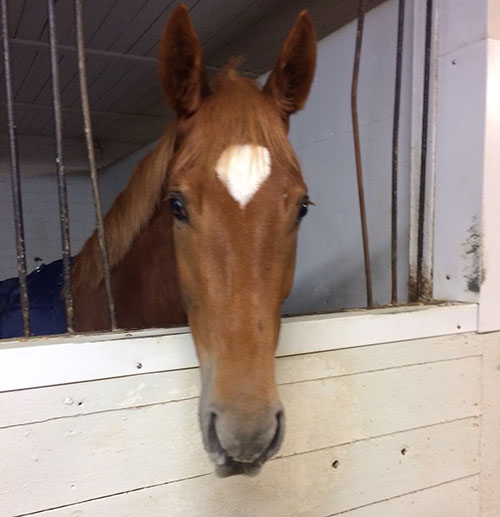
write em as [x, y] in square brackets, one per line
[144, 284]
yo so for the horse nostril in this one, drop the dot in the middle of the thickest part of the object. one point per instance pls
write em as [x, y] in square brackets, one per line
[214, 445]
[278, 436]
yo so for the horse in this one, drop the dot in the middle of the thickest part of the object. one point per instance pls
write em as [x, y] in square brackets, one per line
[205, 233]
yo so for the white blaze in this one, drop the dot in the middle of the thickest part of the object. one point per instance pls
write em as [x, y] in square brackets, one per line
[243, 169]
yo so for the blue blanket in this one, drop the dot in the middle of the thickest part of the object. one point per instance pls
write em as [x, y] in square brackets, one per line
[47, 309]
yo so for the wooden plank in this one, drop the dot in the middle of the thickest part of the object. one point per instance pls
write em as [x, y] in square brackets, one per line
[104, 82]
[227, 21]
[490, 426]
[460, 123]
[163, 441]
[375, 403]
[70, 92]
[489, 259]
[155, 9]
[150, 85]
[23, 61]
[93, 16]
[129, 81]
[16, 10]
[116, 23]
[65, 19]
[35, 79]
[108, 355]
[32, 21]
[151, 33]
[38, 123]
[35, 405]
[386, 326]
[40, 404]
[272, 28]
[306, 484]
[67, 71]
[453, 499]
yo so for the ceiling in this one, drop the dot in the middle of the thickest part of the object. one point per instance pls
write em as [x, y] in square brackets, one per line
[121, 38]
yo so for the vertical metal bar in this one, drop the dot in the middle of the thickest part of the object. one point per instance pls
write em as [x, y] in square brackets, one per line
[357, 151]
[14, 172]
[395, 141]
[423, 155]
[61, 173]
[91, 155]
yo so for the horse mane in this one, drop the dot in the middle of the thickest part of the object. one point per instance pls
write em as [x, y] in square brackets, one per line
[129, 214]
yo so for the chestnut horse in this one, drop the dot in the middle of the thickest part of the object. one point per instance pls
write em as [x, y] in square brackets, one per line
[206, 232]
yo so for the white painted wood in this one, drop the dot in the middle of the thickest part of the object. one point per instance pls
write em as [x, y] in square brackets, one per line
[355, 407]
[306, 484]
[419, 11]
[493, 19]
[38, 404]
[459, 164]
[83, 398]
[489, 315]
[461, 23]
[78, 458]
[490, 427]
[379, 326]
[453, 499]
[50, 361]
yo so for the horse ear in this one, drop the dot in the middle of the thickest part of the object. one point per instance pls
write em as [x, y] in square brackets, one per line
[181, 64]
[291, 79]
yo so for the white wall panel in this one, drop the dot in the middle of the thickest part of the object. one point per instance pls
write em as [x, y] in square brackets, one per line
[361, 406]
[306, 484]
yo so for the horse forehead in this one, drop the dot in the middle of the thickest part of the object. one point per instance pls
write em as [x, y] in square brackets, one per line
[243, 169]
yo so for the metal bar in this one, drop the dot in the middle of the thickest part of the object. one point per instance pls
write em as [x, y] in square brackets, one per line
[357, 151]
[14, 172]
[395, 142]
[423, 154]
[133, 116]
[61, 172]
[92, 164]
[132, 58]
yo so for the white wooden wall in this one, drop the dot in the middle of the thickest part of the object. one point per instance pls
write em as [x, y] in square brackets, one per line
[411, 428]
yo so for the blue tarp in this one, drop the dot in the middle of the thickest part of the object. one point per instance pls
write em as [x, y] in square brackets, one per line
[47, 308]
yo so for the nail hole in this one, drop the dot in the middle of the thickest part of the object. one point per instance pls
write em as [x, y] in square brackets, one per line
[335, 464]
[448, 277]
[80, 402]
[453, 61]
[459, 327]
[138, 366]
[404, 450]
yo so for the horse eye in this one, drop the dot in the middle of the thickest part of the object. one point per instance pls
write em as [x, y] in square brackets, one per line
[302, 210]
[178, 209]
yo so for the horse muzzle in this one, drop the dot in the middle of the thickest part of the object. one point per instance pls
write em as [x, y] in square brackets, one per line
[240, 443]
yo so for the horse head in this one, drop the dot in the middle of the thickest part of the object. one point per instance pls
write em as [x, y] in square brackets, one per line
[237, 196]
